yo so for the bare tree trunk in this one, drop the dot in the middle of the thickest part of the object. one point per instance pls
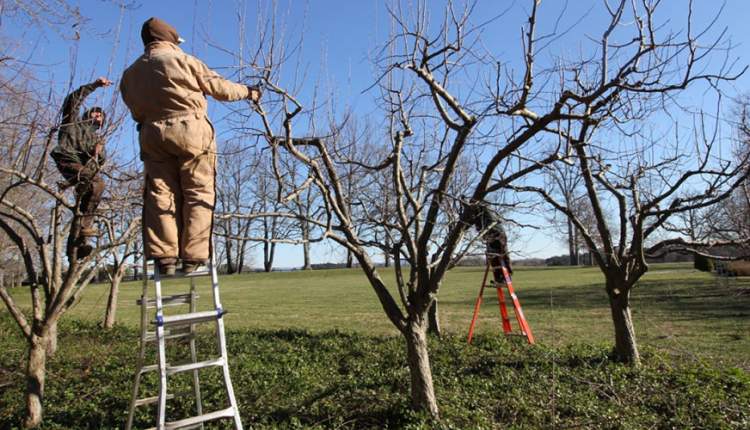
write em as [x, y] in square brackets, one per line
[626, 349]
[306, 247]
[387, 254]
[228, 250]
[349, 259]
[572, 245]
[52, 339]
[35, 374]
[268, 254]
[434, 319]
[422, 390]
[114, 290]
[241, 261]
[306, 256]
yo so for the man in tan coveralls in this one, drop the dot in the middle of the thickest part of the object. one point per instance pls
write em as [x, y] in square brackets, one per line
[165, 90]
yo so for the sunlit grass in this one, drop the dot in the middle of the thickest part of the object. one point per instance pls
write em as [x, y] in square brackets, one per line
[675, 308]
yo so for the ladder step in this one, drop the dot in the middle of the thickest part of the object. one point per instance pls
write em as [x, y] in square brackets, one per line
[202, 271]
[184, 367]
[168, 335]
[176, 300]
[190, 318]
[224, 413]
[193, 366]
[149, 368]
[151, 400]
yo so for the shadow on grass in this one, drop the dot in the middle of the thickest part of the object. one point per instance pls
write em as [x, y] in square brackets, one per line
[701, 299]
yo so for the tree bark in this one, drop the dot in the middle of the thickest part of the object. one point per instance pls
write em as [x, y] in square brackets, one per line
[228, 250]
[35, 373]
[114, 289]
[626, 348]
[306, 247]
[434, 319]
[241, 261]
[51, 338]
[349, 259]
[572, 245]
[422, 390]
[268, 254]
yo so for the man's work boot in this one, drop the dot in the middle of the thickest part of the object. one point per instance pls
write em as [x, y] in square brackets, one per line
[89, 232]
[192, 266]
[167, 266]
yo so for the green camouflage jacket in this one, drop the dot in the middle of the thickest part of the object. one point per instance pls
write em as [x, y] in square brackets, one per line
[77, 137]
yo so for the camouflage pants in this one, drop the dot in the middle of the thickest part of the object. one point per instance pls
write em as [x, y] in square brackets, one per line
[89, 188]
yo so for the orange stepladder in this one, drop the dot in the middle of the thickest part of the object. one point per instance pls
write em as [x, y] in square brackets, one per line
[501, 280]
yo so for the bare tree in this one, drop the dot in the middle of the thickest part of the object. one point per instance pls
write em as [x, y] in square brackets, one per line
[235, 193]
[645, 180]
[36, 218]
[564, 179]
[428, 132]
[729, 220]
[504, 126]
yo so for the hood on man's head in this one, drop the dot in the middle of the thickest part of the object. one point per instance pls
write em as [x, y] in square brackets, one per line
[87, 114]
[154, 29]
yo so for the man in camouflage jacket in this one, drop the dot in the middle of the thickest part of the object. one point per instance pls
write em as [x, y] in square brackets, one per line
[79, 155]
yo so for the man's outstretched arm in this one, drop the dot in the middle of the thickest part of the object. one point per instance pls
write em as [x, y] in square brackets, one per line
[74, 100]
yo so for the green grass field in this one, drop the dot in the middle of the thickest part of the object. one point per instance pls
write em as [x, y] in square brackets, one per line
[675, 308]
[314, 350]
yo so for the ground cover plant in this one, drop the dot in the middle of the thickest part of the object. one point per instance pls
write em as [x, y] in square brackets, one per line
[296, 365]
[299, 379]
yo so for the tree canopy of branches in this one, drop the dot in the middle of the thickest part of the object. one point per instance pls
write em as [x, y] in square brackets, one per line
[449, 144]
[635, 178]
[36, 215]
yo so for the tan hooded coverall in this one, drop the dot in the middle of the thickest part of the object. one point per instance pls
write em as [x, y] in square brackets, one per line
[165, 91]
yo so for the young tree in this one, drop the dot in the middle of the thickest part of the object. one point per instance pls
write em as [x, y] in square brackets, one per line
[36, 218]
[640, 180]
[504, 125]
[430, 132]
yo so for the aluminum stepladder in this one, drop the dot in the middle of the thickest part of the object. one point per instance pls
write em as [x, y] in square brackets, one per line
[501, 279]
[175, 327]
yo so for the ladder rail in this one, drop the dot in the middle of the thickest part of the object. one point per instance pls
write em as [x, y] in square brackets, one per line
[223, 342]
[477, 305]
[522, 323]
[161, 354]
[194, 354]
[500, 284]
[142, 346]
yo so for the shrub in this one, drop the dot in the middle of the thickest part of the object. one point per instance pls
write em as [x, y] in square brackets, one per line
[703, 264]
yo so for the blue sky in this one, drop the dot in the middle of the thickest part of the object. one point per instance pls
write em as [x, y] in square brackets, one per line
[339, 38]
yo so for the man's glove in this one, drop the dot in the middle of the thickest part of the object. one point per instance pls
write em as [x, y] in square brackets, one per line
[255, 93]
